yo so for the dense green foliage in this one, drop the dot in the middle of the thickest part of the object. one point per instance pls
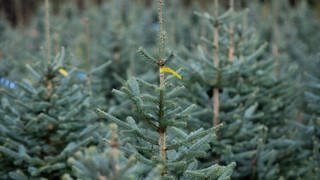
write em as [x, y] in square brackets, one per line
[56, 118]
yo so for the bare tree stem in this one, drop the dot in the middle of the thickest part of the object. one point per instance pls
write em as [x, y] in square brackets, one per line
[216, 61]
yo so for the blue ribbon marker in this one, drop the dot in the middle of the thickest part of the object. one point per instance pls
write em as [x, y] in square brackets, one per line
[7, 83]
[81, 76]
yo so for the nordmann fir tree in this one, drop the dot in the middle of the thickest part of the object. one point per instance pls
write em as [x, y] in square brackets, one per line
[116, 43]
[281, 152]
[238, 136]
[307, 131]
[254, 104]
[9, 67]
[295, 44]
[308, 121]
[45, 120]
[107, 161]
[313, 121]
[157, 133]
[211, 64]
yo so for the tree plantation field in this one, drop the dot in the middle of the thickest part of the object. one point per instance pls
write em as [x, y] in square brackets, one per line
[161, 89]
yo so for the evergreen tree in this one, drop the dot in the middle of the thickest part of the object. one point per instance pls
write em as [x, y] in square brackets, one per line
[240, 99]
[293, 45]
[307, 128]
[155, 131]
[44, 122]
[109, 162]
[252, 103]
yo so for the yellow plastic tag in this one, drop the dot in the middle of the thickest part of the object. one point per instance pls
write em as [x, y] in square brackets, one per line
[63, 72]
[171, 71]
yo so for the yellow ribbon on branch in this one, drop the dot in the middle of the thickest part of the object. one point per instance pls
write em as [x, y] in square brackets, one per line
[63, 72]
[171, 71]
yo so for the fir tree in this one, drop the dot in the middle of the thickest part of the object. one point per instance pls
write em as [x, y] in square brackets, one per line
[265, 95]
[255, 106]
[155, 132]
[109, 162]
[287, 150]
[307, 128]
[44, 121]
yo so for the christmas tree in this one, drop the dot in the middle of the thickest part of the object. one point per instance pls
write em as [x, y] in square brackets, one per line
[45, 120]
[228, 89]
[155, 130]
[234, 72]
[107, 161]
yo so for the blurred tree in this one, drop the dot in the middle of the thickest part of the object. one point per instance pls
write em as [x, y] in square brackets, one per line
[19, 12]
